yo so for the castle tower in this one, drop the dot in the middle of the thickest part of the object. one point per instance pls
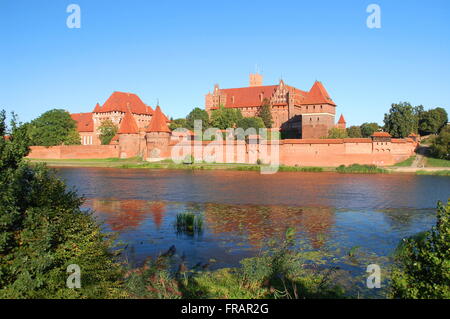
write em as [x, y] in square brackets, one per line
[341, 123]
[129, 142]
[318, 112]
[158, 137]
[256, 79]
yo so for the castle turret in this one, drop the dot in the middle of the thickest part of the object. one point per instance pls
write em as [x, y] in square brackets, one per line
[341, 123]
[128, 137]
[158, 137]
[256, 79]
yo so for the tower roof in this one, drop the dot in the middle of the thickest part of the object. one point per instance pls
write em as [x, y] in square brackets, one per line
[341, 119]
[84, 121]
[121, 102]
[317, 95]
[128, 124]
[158, 122]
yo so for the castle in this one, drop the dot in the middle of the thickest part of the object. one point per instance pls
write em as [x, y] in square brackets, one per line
[297, 113]
[308, 116]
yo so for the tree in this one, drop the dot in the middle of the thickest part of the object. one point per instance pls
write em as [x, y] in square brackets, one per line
[337, 132]
[197, 114]
[401, 120]
[224, 118]
[367, 129]
[177, 123]
[54, 127]
[440, 147]
[265, 113]
[250, 122]
[107, 131]
[432, 121]
[43, 231]
[354, 131]
[423, 262]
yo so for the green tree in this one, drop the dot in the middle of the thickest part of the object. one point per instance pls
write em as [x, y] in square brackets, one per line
[107, 131]
[440, 147]
[250, 122]
[354, 131]
[423, 262]
[265, 113]
[367, 129]
[432, 121]
[401, 120]
[224, 118]
[177, 123]
[336, 132]
[43, 231]
[54, 127]
[197, 114]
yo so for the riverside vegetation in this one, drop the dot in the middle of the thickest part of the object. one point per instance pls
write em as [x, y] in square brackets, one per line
[43, 230]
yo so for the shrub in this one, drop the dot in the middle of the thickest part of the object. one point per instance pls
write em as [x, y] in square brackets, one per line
[422, 268]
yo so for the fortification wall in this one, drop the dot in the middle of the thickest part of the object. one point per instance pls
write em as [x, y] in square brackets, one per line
[74, 152]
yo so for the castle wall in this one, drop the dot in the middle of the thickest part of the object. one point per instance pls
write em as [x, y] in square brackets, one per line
[74, 152]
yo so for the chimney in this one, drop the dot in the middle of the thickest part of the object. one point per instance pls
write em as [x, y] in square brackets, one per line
[256, 79]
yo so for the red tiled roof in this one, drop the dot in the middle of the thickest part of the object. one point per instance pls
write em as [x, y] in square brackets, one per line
[121, 101]
[158, 122]
[248, 96]
[381, 134]
[128, 124]
[317, 95]
[357, 140]
[84, 122]
[341, 119]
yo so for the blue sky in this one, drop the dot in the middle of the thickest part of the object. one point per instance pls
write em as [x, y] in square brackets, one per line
[175, 51]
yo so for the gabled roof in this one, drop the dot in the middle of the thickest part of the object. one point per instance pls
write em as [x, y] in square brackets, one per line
[128, 124]
[122, 101]
[341, 119]
[248, 96]
[158, 122]
[317, 95]
[84, 122]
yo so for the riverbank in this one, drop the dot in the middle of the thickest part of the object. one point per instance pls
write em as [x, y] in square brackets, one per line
[168, 164]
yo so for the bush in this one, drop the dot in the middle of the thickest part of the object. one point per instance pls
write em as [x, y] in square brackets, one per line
[43, 231]
[422, 268]
[357, 168]
[440, 146]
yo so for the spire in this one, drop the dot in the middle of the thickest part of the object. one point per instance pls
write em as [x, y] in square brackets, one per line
[97, 108]
[128, 124]
[158, 122]
[342, 120]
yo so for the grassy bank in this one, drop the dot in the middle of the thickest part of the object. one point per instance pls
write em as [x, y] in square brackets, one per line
[436, 162]
[361, 169]
[406, 163]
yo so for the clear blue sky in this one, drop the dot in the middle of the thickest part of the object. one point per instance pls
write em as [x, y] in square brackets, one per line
[175, 51]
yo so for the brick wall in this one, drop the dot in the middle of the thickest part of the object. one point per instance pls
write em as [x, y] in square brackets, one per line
[74, 152]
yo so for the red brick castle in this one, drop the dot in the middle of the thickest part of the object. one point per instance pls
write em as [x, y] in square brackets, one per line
[298, 113]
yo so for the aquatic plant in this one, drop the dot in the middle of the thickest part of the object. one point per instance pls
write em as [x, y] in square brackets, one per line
[189, 223]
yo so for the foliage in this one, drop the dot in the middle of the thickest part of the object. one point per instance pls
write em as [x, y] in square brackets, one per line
[367, 129]
[189, 223]
[423, 262]
[265, 113]
[354, 131]
[250, 122]
[401, 121]
[358, 168]
[107, 131]
[54, 127]
[178, 123]
[224, 118]
[197, 114]
[337, 132]
[432, 121]
[440, 147]
[43, 231]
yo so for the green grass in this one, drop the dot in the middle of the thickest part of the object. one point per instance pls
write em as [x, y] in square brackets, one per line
[360, 169]
[437, 173]
[437, 162]
[406, 163]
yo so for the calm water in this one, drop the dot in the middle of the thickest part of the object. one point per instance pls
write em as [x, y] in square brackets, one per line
[242, 210]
